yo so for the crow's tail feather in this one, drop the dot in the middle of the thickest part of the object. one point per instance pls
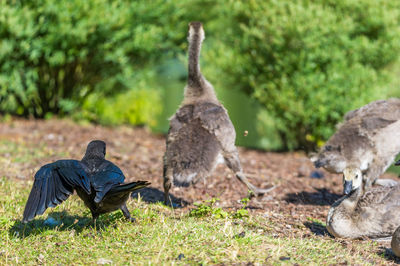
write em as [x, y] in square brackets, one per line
[129, 187]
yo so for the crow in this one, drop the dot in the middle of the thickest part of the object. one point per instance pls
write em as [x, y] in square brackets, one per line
[98, 183]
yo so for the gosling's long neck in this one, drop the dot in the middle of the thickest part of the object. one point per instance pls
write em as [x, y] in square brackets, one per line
[195, 78]
[348, 203]
[198, 89]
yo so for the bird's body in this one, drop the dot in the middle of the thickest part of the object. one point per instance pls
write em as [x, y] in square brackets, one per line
[194, 151]
[201, 134]
[98, 183]
[374, 213]
[368, 139]
[395, 243]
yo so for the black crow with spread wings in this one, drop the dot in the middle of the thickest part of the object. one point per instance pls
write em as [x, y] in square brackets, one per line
[98, 182]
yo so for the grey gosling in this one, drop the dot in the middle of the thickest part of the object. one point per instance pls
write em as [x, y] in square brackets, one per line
[368, 140]
[395, 244]
[374, 213]
[98, 183]
[200, 135]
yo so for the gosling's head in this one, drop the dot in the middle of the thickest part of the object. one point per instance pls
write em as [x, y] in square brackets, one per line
[352, 179]
[196, 32]
[331, 158]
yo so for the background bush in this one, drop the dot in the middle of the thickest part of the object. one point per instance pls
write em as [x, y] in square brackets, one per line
[303, 63]
[309, 62]
[54, 54]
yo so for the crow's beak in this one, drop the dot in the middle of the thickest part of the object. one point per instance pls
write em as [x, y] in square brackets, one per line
[347, 187]
[318, 164]
[397, 163]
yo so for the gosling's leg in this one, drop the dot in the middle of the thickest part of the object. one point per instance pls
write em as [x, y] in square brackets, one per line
[254, 190]
[233, 162]
[374, 171]
[167, 185]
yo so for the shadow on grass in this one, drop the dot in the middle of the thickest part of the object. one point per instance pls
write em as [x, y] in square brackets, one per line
[388, 254]
[63, 222]
[322, 197]
[154, 195]
[317, 228]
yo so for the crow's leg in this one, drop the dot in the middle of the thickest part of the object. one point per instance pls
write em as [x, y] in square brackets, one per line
[233, 162]
[127, 214]
[167, 175]
[94, 218]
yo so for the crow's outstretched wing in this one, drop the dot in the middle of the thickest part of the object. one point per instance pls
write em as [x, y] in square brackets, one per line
[53, 184]
[108, 176]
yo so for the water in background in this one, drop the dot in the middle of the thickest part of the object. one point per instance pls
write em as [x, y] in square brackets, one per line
[244, 112]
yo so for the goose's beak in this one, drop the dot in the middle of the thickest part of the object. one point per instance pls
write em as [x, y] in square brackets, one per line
[347, 187]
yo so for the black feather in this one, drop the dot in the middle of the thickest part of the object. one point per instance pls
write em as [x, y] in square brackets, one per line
[97, 181]
[43, 194]
[129, 187]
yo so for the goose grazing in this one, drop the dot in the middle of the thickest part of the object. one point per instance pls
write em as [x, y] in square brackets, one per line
[368, 140]
[374, 213]
[98, 183]
[201, 135]
[395, 244]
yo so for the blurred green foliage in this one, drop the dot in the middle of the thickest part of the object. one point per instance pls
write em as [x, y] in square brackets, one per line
[304, 62]
[308, 62]
[138, 106]
[55, 54]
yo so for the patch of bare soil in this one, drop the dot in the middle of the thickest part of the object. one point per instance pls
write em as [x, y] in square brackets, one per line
[302, 193]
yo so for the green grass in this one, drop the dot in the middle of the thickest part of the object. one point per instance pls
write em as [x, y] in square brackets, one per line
[160, 235]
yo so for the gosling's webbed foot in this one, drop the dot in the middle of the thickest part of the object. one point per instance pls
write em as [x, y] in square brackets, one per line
[258, 192]
[262, 191]
[386, 182]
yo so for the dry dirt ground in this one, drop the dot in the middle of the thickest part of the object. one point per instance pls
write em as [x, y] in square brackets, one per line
[296, 206]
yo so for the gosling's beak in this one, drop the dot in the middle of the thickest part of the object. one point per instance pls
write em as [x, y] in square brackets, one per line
[347, 187]
[397, 163]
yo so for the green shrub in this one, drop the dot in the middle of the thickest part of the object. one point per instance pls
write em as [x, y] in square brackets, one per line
[138, 106]
[54, 54]
[307, 62]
